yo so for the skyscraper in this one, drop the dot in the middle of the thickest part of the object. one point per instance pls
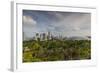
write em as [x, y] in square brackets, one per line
[49, 36]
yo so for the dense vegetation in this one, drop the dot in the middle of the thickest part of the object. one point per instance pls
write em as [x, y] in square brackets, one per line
[56, 50]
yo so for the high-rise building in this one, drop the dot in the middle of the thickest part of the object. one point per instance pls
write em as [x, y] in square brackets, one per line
[37, 36]
[49, 36]
[44, 36]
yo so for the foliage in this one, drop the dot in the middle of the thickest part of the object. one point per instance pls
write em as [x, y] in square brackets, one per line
[53, 50]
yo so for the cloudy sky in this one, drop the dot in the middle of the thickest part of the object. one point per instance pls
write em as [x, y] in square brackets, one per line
[58, 23]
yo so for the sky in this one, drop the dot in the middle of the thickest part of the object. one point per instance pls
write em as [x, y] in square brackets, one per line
[67, 24]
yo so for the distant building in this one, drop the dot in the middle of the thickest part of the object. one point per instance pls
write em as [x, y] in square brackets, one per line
[37, 36]
[43, 36]
[47, 36]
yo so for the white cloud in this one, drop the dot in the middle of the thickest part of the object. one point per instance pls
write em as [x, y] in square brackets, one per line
[28, 25]
[29, 21]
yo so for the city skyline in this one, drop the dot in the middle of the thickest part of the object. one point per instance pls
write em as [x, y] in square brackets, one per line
[66, 24]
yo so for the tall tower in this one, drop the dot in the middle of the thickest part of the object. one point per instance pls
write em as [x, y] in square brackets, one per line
[44, 36]
[49, 36]
[37, 36]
